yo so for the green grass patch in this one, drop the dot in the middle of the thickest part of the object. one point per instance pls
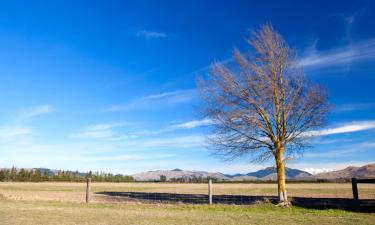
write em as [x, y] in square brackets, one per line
[53, 212]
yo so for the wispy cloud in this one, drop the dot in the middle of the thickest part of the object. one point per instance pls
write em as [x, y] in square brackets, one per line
[177, 126]
[100, 131]
[349, 21]
[312, 58]
[99, 156]
[344, 56]
[9, 133]
[172, 97]
[192, 124]
[35, 111]
[169, 142]
[356, 52]
[147, 34]
[346, 151]
[161, 95]
[127, 157]
[353, 107]
[155, 100]
[345, 128]
[144, 139]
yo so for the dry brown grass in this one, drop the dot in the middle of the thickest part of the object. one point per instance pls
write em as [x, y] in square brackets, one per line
[61, 203]
[75, 192]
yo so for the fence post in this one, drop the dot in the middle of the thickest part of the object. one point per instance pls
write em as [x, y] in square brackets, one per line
[88, 184]
[355, 189]
[210, 191]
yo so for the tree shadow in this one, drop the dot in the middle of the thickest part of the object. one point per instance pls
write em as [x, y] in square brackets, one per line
[311, 203]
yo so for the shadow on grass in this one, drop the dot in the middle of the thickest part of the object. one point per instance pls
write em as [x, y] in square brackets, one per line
[311, 203]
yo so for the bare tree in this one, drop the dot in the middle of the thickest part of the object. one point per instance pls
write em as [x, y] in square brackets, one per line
[263, 107]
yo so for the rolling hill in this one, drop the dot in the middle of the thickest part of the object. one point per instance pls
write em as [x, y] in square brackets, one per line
[176, 173]
[365, 171]
[268, 173]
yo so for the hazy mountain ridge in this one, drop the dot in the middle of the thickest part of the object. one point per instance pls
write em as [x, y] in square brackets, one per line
[271, 171]
[365, 171]
[268, 173]
[176, 173]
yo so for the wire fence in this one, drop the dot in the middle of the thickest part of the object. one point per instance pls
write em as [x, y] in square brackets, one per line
[304, 194]
[310, 194]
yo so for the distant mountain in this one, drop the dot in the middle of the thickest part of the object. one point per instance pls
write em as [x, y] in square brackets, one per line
[270, 173]
[265, 174]
[177, 173]
[366, 171]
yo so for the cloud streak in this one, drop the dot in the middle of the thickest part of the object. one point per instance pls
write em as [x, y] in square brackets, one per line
[357, 52]
[126, 157]
[189, 141]
[345, 128]
[353, 107]
[155, 100]
[346, 151]
[10, 133]
[312, 59]
[100, 131]
[193, 124]
[35, 111]
[148, 35]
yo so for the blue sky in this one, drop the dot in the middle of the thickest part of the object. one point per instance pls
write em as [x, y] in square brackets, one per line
[110, 85]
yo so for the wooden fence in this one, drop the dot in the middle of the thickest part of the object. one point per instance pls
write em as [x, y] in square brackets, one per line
[356, 181]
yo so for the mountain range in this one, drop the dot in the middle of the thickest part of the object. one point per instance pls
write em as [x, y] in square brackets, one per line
[349, 172]
[176, 173]
[268, 173]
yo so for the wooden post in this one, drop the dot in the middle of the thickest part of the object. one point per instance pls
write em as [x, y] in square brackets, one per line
[210, 191]
[88, 184]
[355, 189]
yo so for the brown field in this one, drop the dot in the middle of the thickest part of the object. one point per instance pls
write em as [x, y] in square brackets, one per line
[75, 192]
[62, 203]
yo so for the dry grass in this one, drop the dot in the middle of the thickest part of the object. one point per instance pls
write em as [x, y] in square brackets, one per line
[61, 203]
[75, 192]
[44, 212]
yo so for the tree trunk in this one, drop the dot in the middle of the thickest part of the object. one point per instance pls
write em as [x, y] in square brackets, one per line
[280, 166]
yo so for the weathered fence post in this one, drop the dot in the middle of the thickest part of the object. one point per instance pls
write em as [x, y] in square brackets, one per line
[88, 187]
[355, 189]
[210, 191]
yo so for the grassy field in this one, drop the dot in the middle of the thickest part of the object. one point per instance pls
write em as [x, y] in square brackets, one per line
[62, 203]
[45, 212]
[75, 192]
